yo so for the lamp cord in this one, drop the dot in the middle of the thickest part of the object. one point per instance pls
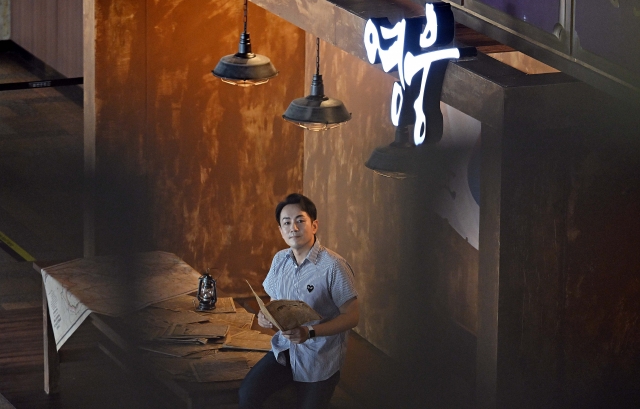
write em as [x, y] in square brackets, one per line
[317, 55]
[245, 16]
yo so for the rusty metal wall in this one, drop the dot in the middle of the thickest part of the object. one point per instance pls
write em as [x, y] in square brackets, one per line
[186, 163]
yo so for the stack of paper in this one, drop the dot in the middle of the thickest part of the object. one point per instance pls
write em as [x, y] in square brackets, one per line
[196, 346]
[195, 333]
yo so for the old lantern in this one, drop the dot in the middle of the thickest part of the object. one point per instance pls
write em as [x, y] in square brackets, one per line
[207, 292]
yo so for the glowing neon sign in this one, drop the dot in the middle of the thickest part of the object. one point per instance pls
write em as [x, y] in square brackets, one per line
[401, 47]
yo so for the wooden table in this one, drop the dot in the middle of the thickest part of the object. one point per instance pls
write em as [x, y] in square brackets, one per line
[120, 350]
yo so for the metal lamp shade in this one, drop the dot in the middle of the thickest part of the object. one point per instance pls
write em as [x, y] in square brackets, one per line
[397, 160]
[245, 68]
[392, 161]
[317, 112]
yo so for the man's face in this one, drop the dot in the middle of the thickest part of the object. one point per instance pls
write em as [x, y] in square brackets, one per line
[296, 227]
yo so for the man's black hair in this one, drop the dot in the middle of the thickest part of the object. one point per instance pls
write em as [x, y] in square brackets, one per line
[306, 205]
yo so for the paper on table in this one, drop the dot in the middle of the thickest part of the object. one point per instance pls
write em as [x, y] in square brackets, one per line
[207, 330]
[223, 305]
[249, 340]
[286, 314]
[238, 320]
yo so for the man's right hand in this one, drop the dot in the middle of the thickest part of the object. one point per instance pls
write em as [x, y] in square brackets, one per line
[263, 321]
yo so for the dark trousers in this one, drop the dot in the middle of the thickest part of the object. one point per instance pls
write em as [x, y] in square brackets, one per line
[268, 376]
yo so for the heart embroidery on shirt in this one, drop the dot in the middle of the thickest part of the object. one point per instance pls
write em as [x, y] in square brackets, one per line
[309, 288]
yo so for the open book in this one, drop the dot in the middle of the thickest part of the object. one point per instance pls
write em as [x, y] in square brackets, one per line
[287, 314]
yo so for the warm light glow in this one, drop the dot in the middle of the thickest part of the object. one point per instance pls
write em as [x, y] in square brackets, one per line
[315, 126]
[391, 175]
[245, 83]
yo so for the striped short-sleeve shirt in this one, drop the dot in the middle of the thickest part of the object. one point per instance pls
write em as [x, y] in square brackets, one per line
[325, 281]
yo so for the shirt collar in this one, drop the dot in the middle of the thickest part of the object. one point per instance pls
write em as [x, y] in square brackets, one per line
[313, 254]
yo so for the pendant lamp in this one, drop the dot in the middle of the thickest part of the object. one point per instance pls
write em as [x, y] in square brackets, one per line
[402, 159]
[398, 159]
[317, 112]
[245, 68]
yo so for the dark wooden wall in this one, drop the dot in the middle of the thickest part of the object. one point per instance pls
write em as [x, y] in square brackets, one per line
[569, 334]
[50, 30]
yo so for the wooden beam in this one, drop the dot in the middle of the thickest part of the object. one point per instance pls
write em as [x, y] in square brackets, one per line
[89, 74]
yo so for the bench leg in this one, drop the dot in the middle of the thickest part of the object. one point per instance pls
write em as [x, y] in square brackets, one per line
[51, 357]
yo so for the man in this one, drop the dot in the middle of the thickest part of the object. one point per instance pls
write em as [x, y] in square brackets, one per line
[311, 355]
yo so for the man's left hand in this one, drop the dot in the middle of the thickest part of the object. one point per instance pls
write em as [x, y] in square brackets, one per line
[297, 335]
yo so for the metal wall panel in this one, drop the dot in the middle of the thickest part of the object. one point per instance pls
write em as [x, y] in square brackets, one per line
[546, 22]
[69, 53]
[606, 36]
[594, 41]
[50, 30]
[543, 14]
